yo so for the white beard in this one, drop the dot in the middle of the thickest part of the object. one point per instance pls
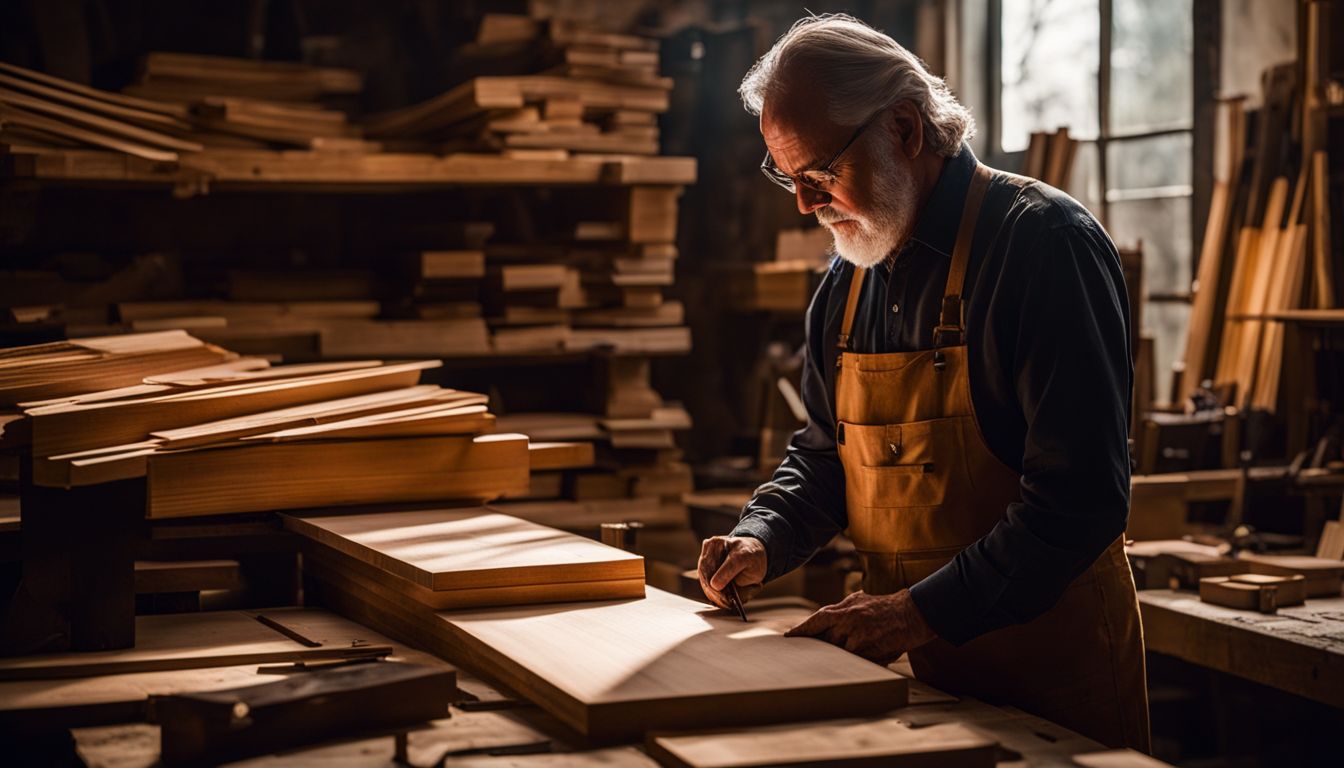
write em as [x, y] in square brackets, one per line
[873, 237]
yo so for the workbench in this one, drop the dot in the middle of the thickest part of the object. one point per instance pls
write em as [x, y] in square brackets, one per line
[1299, 650]
[489, 720]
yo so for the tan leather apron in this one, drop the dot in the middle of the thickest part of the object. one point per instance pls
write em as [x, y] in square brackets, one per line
[921, 485]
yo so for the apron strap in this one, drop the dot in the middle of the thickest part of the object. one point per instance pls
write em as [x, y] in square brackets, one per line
[951, 328]
[851, 304]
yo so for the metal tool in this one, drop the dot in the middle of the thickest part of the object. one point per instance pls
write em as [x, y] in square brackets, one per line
[736, 600]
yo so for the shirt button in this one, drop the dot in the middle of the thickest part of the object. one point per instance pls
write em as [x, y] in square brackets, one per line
[895, 308]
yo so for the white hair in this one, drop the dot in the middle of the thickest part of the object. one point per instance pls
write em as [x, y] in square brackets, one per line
[862, 71]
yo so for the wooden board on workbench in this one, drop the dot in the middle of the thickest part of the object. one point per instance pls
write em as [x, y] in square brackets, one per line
[446, 550]
[856, 743]
[615, 670]
[187, 641]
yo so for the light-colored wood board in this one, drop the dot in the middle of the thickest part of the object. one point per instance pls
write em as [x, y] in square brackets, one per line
[67, 428]
[858, 743]
[618, 669]
[1118, 758]
[272, 476]
[344, 573]
[466, 548]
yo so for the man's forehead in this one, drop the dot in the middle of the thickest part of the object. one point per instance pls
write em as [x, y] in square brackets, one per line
[798, 130]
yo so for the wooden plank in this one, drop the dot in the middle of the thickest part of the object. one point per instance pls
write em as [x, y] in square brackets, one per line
[1322, 263]
[848, 743]
[192, 641]
[153, 576]
[616, 670]
[274, 476]
[348, 575]
[62, 429]
[451, 549]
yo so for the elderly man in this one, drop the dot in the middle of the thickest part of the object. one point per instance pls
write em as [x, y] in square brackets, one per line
[967, 387]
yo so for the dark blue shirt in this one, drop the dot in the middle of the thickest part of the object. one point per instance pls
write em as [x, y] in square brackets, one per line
[1050, 368]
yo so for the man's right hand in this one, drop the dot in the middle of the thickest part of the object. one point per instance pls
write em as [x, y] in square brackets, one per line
[731, 559]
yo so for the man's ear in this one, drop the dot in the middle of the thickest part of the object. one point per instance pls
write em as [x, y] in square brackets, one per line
[906, 128]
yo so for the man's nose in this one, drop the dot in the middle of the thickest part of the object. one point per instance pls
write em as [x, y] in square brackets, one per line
[810, 200]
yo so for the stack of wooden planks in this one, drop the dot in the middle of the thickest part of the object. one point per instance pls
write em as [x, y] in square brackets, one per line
[423, 560]
[633, 471]
[785, 284]
[585, 91]
[65, 368]
[242, 436]
[1266, 246]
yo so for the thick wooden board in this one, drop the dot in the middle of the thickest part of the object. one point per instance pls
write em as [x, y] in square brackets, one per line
[884, 743]
[189, 641]
[618, 669]
[471, 548]
[271, 476]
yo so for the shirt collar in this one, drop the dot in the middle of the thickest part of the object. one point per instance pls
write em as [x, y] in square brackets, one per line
[938, 223]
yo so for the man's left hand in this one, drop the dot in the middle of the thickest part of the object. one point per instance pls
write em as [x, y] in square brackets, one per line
[877, 627]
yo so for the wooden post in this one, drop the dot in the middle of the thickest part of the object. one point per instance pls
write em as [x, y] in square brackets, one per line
[78, 578]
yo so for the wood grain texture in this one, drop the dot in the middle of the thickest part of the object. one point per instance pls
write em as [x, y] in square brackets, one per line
[271, 476]
[851, 743]
[466, 548]
[1298, 650]
[615, 670]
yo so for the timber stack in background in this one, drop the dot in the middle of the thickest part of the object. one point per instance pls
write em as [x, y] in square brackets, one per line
[540, 244]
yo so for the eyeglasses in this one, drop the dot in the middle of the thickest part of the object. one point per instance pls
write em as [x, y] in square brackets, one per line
[818, 179]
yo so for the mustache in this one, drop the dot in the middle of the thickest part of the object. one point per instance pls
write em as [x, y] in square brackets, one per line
[830, 216]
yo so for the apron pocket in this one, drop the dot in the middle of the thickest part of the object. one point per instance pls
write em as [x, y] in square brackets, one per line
[898, 479]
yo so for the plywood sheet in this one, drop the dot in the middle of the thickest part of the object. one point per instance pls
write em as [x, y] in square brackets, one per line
[466, 548]
[615, 670]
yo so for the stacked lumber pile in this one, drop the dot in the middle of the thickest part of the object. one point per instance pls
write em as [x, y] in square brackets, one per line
[631, 470]
[420, 561]
[246, 103]
[244, 436]
[585, 91]
[1267, 242]
[785, 284]
[182, 104]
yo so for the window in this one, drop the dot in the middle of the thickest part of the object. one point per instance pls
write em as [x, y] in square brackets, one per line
[1118, 74]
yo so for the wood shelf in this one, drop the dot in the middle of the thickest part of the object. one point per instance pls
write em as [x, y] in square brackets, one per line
[244, 170]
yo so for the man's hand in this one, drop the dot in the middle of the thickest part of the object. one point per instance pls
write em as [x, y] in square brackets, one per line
[877, 627]
[731, 559]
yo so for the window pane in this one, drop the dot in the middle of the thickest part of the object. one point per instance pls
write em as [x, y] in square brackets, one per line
[1159, 161]
[1085, 180]
[1152, 58]
[1163, 226]
[1049, 69]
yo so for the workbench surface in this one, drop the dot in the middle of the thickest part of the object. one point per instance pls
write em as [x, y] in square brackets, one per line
[1299, 650]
